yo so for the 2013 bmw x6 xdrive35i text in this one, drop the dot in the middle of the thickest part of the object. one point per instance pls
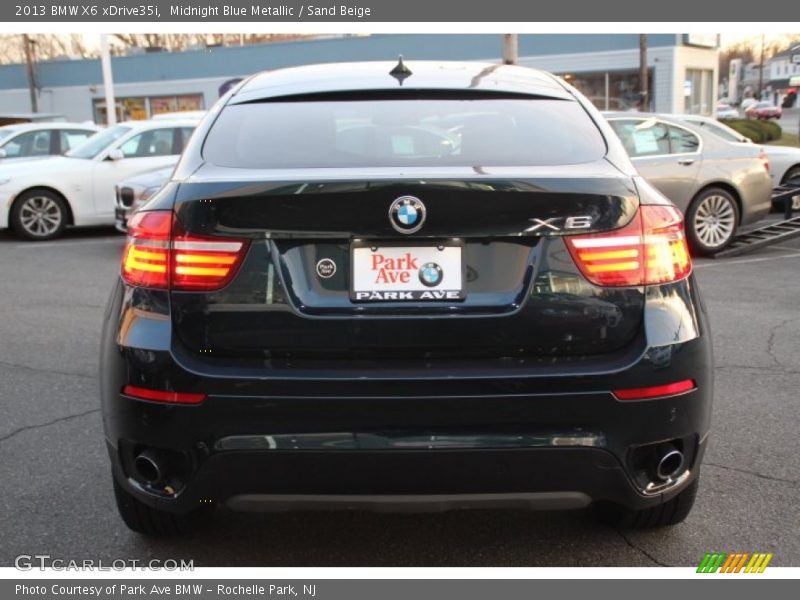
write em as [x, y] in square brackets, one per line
[427, 286]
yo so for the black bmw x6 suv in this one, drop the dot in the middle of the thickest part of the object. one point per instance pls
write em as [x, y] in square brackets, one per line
[424, 285]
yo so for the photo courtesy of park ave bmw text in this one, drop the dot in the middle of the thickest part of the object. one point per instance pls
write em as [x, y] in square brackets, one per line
[357, 286]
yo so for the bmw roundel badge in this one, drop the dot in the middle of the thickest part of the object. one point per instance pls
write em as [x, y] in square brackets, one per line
[430, 274]
[407, 214]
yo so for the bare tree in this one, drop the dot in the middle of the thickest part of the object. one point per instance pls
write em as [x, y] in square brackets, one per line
[47, 47]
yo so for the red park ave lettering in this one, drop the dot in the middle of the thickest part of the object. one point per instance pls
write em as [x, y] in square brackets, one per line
[393, 270]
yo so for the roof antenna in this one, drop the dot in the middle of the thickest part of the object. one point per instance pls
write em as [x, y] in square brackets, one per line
[400, 71]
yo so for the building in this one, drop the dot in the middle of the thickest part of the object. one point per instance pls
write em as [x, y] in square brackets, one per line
[778, 81]
[781, 71]
[682, 70]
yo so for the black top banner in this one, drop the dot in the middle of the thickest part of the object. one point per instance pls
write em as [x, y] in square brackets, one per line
[441, 11]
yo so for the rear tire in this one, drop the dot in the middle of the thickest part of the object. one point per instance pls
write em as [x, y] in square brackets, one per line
[39, 215]
[669, 513]
[711, 221]
[793, 173]
[144, 519]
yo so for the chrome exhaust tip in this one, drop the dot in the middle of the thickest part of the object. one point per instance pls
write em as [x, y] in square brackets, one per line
[148, 466]
[670, 464]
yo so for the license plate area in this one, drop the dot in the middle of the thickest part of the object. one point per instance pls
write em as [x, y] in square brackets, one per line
[402, 272]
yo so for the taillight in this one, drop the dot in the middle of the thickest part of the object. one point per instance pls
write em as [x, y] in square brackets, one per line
[649, 250]
[161, 254]
[145, 260]
[203, 263]
[762, 156]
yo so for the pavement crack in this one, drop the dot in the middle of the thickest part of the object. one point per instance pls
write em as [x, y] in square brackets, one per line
[642, 551]
[749, 472]
[773, 334]
[39, 370]
[8, 436]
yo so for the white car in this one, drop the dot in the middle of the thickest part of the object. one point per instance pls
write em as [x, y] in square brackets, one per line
[784, 161]
[748, 102]
[726, 111]
[134, 192]
[28, 140]
[39, 198]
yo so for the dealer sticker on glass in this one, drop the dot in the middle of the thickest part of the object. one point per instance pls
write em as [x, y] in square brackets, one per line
[406, 273]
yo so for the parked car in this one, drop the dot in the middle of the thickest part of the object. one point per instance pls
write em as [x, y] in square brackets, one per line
[39, 199]
[726, 111]
[784, 161]
[42, 139]
[133, 193]
[747, 103]
[193, 115]
[353, 294]
[718, 186]
[764, 110]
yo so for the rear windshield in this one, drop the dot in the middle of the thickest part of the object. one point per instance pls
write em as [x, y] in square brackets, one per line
[397, 133]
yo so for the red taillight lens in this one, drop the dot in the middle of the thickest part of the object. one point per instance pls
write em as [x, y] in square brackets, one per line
[162, 395]
[145, 260]
[651, 249]
[656, 391]
[204, 263]
[161, 254]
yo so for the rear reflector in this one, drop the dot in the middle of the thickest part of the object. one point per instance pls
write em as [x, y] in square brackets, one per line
[162, 396]
[656, 391]
[161, 254]
[649, 250]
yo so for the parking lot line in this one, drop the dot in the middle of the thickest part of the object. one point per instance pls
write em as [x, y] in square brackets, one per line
[724, 263]
[105, 240]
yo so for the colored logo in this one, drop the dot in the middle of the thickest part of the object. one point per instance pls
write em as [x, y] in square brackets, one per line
[738, 562]
[430, 274]
[407, 214]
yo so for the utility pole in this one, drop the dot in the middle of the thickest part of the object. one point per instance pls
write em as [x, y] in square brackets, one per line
[761, 69]
[108, 81]
[30, 60]
[510, 48]
[644, 100]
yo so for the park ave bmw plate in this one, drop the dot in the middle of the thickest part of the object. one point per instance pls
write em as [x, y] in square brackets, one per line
[396, 273]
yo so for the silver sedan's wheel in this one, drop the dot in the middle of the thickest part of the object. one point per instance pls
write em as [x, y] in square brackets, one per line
[712, 220]
[39, 215]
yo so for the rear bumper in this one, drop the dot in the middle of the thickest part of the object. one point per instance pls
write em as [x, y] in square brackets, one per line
[547, 435]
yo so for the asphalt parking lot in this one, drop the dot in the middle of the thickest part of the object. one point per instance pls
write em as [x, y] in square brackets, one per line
[56, 484]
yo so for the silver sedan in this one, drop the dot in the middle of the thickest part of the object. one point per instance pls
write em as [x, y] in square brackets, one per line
[719, 186]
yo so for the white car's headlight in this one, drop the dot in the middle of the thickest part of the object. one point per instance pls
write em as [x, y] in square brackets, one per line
[144, 195]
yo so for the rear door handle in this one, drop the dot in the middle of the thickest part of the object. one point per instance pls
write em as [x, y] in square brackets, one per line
[686, 161]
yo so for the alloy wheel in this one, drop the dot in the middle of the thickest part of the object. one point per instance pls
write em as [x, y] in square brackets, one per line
[40, 216]
[714, 221]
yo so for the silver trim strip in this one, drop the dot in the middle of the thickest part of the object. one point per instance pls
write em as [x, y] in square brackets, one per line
[208, 246]
[338, 441]
[408, 502]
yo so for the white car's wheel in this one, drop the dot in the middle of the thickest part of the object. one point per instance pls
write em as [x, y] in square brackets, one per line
[39, 215]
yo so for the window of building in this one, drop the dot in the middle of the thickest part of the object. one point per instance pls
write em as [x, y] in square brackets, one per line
[145, 107]
[698, 92]
[612, 90]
